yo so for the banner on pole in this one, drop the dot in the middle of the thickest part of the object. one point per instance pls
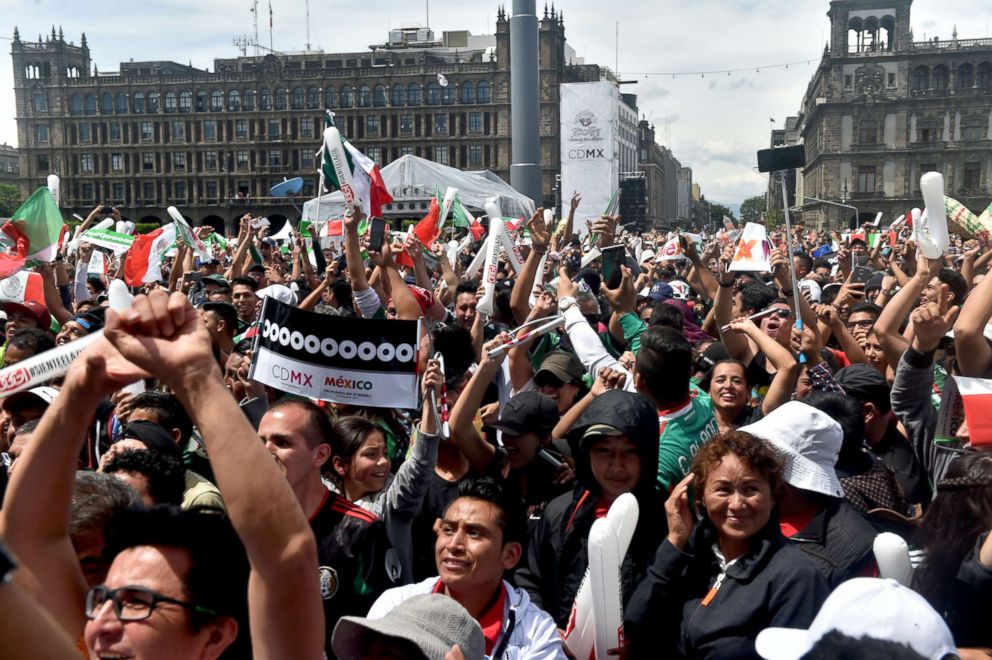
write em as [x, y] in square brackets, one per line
[367, 362]
[589, 120]
[106, 238]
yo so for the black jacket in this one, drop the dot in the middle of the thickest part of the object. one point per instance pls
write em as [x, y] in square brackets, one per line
[839, 541]
[966, 610]
[774, 584]
[557, 550]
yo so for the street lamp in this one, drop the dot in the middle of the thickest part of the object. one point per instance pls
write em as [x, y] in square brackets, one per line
[824, 201]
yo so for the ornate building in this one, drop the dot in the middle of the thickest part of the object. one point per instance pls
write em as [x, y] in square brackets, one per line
[882, 109]
[10, 166]
[155, 134]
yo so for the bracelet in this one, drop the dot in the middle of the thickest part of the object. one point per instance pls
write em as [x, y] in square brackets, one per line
[725, 286]
[539, 251]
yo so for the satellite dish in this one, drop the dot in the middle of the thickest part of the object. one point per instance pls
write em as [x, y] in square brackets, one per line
[441, 80]
[287, 188]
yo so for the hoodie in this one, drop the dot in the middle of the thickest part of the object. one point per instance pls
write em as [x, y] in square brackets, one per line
[557, 552]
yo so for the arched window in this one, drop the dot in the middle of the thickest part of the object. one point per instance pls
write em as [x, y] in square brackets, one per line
[921, 79]
[313, 98]
[185, 102]
[364, 96]
[152, 102]
[91, 104]
[984, 78]
[216, 100]
[939, 79]
[331, 97]
[122, 104]
[234, 100]
[138, 103]
[482, 94]
[106, 104]
[248, 100]
[299, 98]
[433, 93]
[413, 95]
[201, 101]
[346, 96]
[468, 92]
[965, 77]
[399, 96]
[76, 104]
[379, 96]
[170, 101]
[265, 99]
[280, 99]
[448, 95]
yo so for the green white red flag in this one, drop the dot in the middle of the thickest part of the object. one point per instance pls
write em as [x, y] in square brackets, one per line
[35, 228]
[144, 259]
[366, 179]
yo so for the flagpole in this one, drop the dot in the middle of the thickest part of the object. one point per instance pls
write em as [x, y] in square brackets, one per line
[792, 270]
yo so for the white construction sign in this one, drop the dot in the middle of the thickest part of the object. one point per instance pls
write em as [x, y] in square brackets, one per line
[589, 162]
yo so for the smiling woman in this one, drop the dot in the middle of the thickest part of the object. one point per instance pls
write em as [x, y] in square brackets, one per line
[732, 574]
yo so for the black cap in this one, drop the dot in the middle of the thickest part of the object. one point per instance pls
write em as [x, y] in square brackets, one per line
[528, 411]
[865, 383]
[151, 435]
[563, 365]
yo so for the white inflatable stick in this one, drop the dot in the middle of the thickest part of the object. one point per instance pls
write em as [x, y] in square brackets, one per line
[339, 161]
[933, 238]
[54, 186]
[892, 555]
[120, 299]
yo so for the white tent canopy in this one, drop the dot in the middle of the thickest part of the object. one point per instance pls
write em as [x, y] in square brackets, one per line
[410, 176]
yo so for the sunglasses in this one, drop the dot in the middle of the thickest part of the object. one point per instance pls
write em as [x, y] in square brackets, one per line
[547, 380]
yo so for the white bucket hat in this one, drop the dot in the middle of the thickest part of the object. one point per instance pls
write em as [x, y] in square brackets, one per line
[808, 441]
[280, 292]
[866, 607]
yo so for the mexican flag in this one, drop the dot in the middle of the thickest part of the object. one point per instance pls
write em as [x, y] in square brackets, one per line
[366, 180]
[426, 232]
[35, 228]
[22, 286]
[976, 393]
[144, 260]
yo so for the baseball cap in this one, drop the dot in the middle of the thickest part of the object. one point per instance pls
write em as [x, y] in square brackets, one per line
[216, 277]
[31, 308]
[661, 291]
[150, 435]
[808, 440]
[528, 411]
[563, 365]
[875, 281]
[866, 607]
[865, 383]
[647, 255]
[44, 394]
[280, 292]
[433, 623]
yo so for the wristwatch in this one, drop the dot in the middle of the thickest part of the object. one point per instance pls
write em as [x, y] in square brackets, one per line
[7, 563]
[565, 303]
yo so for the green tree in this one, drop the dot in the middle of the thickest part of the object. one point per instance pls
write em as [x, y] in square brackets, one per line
[717, 211]
[752, 208]
[10, 199]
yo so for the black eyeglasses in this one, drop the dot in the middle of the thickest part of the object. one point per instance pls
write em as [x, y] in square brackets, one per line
[134, 603]
[863, 323]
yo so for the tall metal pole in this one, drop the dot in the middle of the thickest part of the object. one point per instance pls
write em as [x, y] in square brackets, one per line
[525, 110]
[797, 310]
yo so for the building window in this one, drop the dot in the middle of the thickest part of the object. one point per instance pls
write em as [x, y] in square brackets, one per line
[148, 192]
[866, 179]
[440, 125]
[374, 154]
[147, 162]
[313, 98]
[965, 76]
[406, 151]
[983, 79]
[265, 99]
[185, 102]
[928, 167]
[76, 104]
[468, 92]
[447, 95]
[280, 99]
[234, 100]
[86, 190]
[372, 125]
[973, 129]
[299, 98]
[91, 103]
[116, 162]
[170, 102]
[117, 192]
[210, 130]
[178, 131]
[433, 94]
[41, 133]
[306, 127]
[85, 134]
[482, 92]
[201, 101]
[330, 97]
[921, 79]
[216, 100]
[241, 128]
[406, 124]
[210, 161]
[42, 163]
[273, 129]
[306, 158]
[379, 96]
[929, 134]
[180, 190]
[152, 102]
[364, 96]
[179, 160]
[115, 131]
[121, 104]
[106, 104]
[414, 96]
[275, 158]
[972, 179]
[40, 103]
[242, 159]
[146, 130]
[891, 79]
[939, 80]
[211, 191]
[248, 100]
[475, 155]
[86, 163]
[441, 155]
[475, 122]
[868, 132]
[346, 96]
[399, 96]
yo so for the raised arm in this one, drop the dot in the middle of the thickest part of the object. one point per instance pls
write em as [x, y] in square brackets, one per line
[735, 343]
[893, 314]
[164, 335]
[969, 329]
[480, 454]
[520, 294]
[53, 301]
[784, 382]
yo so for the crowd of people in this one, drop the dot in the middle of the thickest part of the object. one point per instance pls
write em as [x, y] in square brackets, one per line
[767, 437]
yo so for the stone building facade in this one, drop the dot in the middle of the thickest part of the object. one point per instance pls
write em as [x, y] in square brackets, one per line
[661, 171]
[10, 165]
[155, 134]
[882, 109]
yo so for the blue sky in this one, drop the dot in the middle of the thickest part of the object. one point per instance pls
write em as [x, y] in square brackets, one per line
[716, 122]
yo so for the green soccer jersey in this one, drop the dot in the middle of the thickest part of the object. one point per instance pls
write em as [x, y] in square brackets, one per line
[683, 432]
